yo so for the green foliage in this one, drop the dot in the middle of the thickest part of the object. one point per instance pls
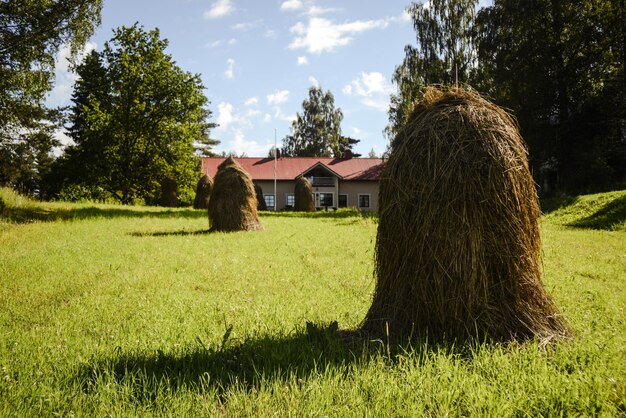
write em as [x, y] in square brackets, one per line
[82, 193]
[135, 119]
[604, 211]
[317, 131]
[559, 65]
[445, 53]
[31, 33]
[95, 321]
[26, 157]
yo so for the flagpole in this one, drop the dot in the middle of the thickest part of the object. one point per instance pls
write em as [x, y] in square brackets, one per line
[275, 158]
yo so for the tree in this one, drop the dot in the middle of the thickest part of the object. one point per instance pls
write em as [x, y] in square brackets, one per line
[26, 157]
[445, 54]
[317, 131]
[559, 65]
[372, 154]
[134, 120]
[31, 33]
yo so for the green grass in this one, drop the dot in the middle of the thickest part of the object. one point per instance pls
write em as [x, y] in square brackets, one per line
[138, 311]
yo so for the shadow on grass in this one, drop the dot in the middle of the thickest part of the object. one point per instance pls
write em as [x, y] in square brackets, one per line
[552, 204]
[181, 233]
[249, 365]
[609, 216]
[323, 214]
[44, 213]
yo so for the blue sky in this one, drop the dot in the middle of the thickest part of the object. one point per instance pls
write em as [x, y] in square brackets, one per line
[257, 60]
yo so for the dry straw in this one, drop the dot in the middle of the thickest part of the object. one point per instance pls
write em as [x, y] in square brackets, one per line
[169, 192]
[203, 192]
[233, 205]
[458, 248]
[258, 190]
[303, 195]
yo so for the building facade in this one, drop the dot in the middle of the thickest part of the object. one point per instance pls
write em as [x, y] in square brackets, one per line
[337, 182]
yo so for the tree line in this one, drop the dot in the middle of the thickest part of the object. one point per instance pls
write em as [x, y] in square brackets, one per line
[558, 65]
[138, 121]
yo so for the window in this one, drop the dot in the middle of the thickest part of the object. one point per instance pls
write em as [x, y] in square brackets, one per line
[364, 201]
[269, 200]
[326, 199]
[342, 201]
[291, 200]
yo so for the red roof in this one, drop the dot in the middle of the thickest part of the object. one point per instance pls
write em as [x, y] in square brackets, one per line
[289, 168]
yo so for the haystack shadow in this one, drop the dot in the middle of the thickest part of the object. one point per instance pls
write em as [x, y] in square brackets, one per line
[609, 216]
[248, 363]
[179, 233]
[254, 362]
[51, 214]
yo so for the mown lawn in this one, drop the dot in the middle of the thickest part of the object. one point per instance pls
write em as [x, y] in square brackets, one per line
[110, 310]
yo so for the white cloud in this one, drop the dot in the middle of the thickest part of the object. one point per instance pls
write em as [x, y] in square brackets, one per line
[270, 34]
[213, 44]
[230, 69]
[303, 60]
[251, 101]
[225, 115]
[291, 5]
[368, 84]
[279, 115]
[373, 89]
[64, 78]
[278, 97]
[246, 26]
[239, 144]
[219, 9]
[323, 35]
[314, 81]
[316, 11]
[267, 118]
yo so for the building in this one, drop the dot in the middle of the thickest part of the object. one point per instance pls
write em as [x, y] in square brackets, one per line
[337, 182]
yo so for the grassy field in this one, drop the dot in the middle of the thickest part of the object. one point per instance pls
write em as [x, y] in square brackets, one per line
[138, 311]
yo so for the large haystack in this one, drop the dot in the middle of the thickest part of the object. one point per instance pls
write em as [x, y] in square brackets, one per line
[169, 192]
[303, 196]
[233, 205]
[458, 249]
[203, 192]
[258, 190]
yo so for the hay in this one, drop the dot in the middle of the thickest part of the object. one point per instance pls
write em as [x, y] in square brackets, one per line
[233, 205]
[302, 195]
[203, 192]
[458, 248]
[169, 192]
[259, 197]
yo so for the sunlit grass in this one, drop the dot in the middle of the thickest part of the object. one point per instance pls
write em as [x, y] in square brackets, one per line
[140, 311]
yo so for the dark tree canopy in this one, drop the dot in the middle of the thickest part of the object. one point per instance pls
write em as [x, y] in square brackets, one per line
[135, 119]
[559, 64]
[317, 131]
[31, 34]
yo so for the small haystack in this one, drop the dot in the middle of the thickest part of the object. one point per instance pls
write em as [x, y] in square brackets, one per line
[169, 192]
[259, 197]
[203, 192]
[458, 249]
[303, 195]
[233, 205]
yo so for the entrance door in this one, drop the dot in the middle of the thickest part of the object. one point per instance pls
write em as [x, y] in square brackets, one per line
[324, 200]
